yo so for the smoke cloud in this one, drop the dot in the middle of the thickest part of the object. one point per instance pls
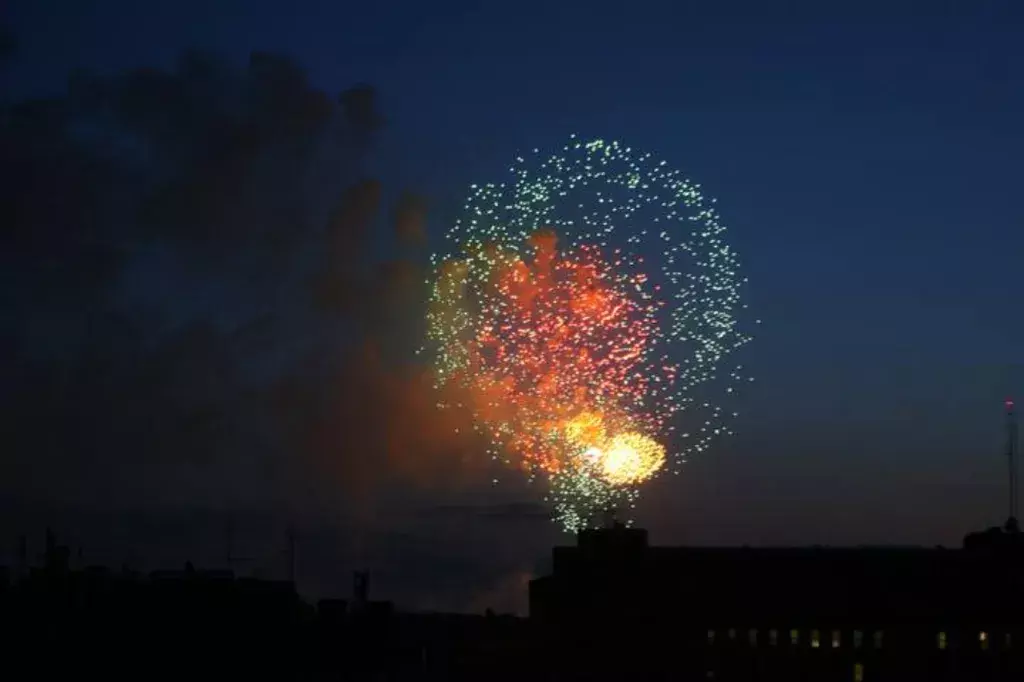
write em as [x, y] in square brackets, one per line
[208, 305]
[197, 304]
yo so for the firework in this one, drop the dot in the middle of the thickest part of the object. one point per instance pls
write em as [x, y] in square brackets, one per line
[584, 313]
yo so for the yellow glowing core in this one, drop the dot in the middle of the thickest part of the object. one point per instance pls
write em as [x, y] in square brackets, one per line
[623, 459]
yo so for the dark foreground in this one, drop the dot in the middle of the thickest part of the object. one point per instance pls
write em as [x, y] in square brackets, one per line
[613, 608]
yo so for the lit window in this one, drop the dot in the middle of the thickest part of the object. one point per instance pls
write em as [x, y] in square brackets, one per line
[711, 636]
[983, 639]
[858, 672]
[941, 639]
[732, 633]
[773, 637]
[752, 636]
[794, 637]
[878, 638]
[815, 639]
[858, 638]
[835, 639]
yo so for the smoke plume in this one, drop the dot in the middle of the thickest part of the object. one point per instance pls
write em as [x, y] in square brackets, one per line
[209, 306]
[198, 305]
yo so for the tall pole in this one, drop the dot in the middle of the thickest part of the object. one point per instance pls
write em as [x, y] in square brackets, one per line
[1011, 455]
[229, 541]
[291, 554]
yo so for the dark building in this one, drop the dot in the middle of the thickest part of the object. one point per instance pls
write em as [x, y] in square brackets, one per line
[613, 608]
[816, 613]
[191, 623]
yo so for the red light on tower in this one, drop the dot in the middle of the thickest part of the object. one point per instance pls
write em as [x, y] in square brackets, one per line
[1009, 404]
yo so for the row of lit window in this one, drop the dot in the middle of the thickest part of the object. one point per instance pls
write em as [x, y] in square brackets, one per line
[941, 639]
[794, 638]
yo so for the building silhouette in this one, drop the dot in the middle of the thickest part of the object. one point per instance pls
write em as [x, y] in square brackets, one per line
[815, 613]
[614, 607]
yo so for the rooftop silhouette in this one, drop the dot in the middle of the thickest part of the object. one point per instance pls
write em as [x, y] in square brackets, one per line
[613, 605]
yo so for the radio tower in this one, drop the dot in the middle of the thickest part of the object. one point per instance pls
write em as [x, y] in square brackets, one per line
[1011, 461]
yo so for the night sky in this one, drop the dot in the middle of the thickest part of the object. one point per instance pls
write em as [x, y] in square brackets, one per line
[866, 157]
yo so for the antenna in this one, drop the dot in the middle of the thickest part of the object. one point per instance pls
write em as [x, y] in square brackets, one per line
[1011, 456]
[291, 554]
[22, 557]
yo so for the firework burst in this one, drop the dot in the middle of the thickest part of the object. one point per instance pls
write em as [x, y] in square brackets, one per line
[584, 314]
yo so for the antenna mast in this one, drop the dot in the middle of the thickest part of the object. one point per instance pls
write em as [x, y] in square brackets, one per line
[1011, 456]
[291, 554]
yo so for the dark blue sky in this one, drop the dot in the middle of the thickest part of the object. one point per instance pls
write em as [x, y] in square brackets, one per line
[867, 157]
